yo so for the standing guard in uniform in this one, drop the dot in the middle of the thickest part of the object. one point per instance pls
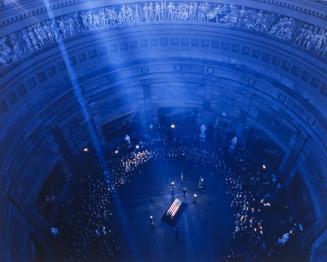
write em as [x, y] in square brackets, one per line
[172, 189]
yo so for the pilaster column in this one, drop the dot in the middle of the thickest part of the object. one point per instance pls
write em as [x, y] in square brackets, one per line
[315, 233]
[288, 166]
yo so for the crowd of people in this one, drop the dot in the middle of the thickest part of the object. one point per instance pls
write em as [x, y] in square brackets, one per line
[48, 32]
[138, 159]
[83, 220]
[251, 185]
[261, 216]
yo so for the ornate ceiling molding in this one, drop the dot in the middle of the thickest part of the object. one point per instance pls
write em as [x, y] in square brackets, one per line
[48, 33]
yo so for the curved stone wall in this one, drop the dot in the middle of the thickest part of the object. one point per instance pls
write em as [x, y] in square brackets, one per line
[223, 54]
[291, 86]
[30, 8]
[46, 33]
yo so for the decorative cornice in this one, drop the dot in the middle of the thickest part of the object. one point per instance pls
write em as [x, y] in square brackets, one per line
[316, 8]
[31, 39]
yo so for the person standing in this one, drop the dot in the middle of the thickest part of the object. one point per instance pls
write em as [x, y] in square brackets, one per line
[195, 197]
[172, 189]
[184, 191]
[201, 183]
[151, 219]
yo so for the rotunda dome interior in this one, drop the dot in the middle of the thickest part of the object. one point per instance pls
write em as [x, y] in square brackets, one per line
[163, 130]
